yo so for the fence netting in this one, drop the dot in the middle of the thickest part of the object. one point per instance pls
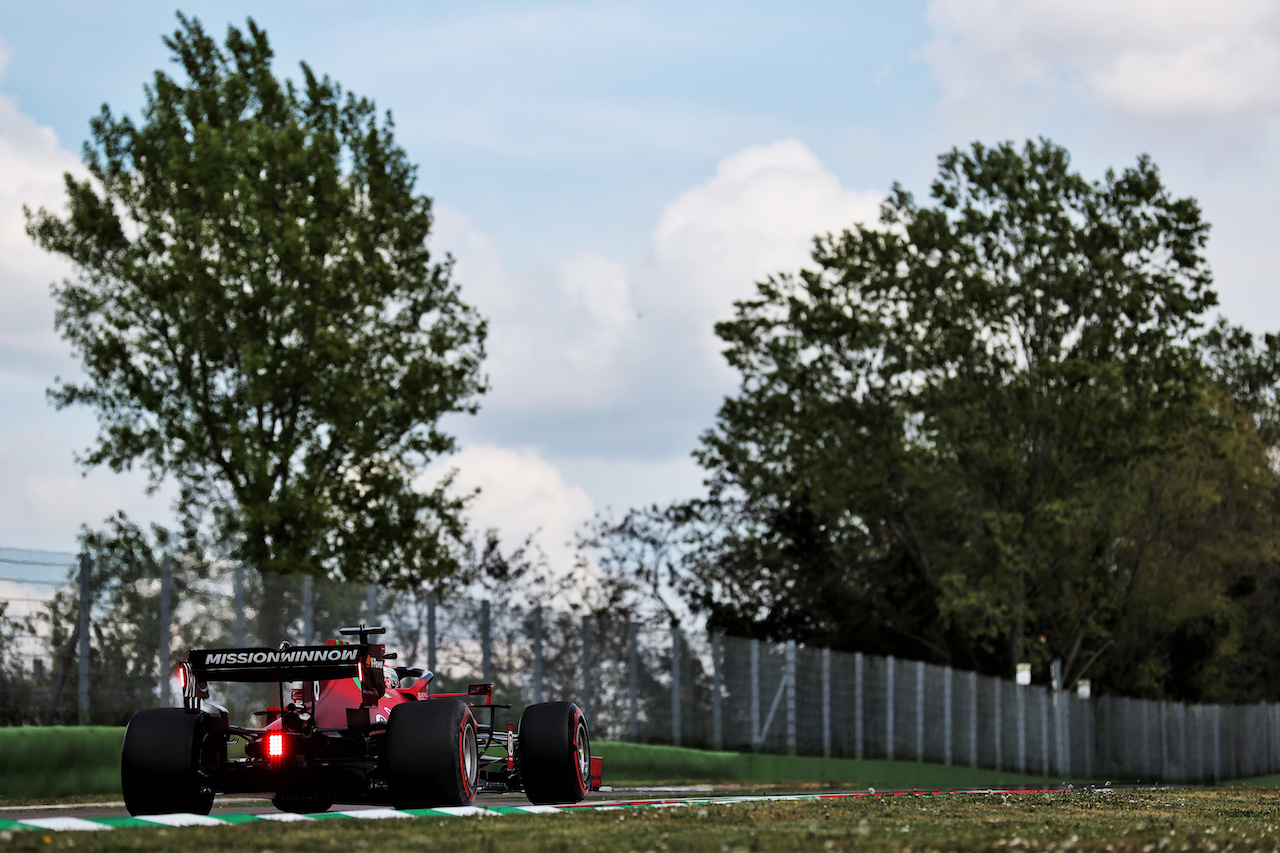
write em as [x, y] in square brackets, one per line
[643, 681]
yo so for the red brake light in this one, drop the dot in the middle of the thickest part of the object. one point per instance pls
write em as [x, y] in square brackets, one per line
[275, 745]
[182, 678]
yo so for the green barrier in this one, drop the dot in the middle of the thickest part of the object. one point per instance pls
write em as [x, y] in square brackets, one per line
[68, 760]
[634, 762]
[60, 761]
[1272, 781]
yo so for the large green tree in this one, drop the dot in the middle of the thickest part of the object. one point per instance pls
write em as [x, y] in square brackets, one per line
[259, 319]
[984, 431]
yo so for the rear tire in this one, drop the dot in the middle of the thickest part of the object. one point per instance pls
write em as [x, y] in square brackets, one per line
[431, 755]
[159, 764]
[554, 753]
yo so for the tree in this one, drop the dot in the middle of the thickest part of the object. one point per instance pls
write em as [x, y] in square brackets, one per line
[974, 431]
[258, 317]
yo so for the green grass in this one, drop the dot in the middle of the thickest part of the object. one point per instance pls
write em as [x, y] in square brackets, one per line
[57, 761]
[1140, 821]
[648, 763]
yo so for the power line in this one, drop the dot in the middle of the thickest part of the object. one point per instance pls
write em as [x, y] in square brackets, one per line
[36, 563]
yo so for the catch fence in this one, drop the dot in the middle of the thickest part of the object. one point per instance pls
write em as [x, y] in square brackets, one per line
[645, 682]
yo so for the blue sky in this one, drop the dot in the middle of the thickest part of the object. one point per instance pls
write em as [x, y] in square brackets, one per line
[611, 176]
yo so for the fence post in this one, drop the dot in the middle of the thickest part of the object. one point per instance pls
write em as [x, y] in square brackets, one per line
[1185, 727]
[1147, 763]
[948, 720]
[166, 621]
[1265, 714]
[919, 710]
[1110, 749]
[242, 635]
[1020, 694]
[537, 653]
[791, 696]
[973, 719]
[997, 712]
[1275, 737]
[1274, 722]
[675, 685]
[1044, 732]
[308, 609]
[633, 678]
[1217, 742]
[86, 602]
[1164, 742]
[826, 703]
[431, 631]
[1062, 723]
[859, 719]
[1088, 735]
[586, 665]
[717, 685]
[888, 704]
[755, 694]
[371, 604]
[486, 644]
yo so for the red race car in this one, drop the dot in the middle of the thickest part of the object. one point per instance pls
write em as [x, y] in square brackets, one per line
[353, 732]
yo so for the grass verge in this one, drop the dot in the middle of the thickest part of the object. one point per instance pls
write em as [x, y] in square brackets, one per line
[58, 761]
[1121, 820]
[649, 763]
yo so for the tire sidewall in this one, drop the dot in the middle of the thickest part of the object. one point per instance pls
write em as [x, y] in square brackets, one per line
[159, 762]
[548, 753]
[430, 754]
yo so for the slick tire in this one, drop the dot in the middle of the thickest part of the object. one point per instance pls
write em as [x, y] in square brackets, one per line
[553, 753]
[159, 764]
[430, 754]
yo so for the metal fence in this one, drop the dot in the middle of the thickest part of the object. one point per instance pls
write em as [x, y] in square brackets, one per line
[642, 682]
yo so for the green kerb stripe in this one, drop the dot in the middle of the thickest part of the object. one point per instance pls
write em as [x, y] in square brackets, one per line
[122, 822]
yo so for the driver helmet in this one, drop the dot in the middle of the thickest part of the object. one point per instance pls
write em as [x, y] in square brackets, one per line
[392, 680]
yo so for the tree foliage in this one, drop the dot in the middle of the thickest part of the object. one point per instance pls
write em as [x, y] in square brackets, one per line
[992, 429]
[258, 316]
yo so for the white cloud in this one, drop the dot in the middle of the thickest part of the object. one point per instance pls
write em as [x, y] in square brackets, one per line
[627, 358]
[46, 499]
[757, 216]
[32, 164]
[554, 333]
[588, 333]
[1141, 59]
[521, 494]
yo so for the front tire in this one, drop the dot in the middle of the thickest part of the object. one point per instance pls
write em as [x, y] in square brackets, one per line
[554, 748]
[431, 754]
[159, 763]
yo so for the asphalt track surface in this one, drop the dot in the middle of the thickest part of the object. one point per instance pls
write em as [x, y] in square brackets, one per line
[110, 815]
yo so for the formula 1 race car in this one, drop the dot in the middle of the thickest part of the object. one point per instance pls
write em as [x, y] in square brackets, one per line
[353, 732]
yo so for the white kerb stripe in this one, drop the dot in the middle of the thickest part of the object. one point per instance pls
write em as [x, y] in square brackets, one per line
[464, 811]
[374, 814]
[182, 819]
[284, 817]
[62, 824]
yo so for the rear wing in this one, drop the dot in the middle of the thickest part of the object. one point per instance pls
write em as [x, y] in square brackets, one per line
[295, 663]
